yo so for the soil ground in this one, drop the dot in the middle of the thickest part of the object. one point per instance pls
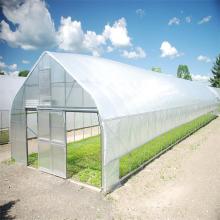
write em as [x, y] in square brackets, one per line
[184, 183]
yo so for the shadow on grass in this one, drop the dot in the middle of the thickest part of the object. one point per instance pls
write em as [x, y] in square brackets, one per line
[5, 208]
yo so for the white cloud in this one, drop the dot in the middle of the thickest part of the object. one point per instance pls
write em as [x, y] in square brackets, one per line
[203, 59]
[110, 49]
[92, 42]
[33, 26]
[8, 69]
[198, 77]
[12, 66]
[2, 65]
[167, 50]
[70, 35]
[140, 12]
[13, 73]
[188, 19]
[118, 33]
[174, 21]
[72, 38]
[137, 53]
[205, 20]
[25, 61]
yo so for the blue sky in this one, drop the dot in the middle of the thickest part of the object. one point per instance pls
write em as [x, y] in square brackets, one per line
[141, 33]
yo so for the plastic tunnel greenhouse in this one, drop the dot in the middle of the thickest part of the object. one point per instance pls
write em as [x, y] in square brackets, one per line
[131, 105]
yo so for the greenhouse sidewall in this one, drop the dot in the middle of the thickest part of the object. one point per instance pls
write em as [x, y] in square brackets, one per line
[125, 134]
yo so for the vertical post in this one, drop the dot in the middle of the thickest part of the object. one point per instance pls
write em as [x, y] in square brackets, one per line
[26, 126]
[65, 140]
[90, 124]
[74, 126]
[101, 151]
[1, 133]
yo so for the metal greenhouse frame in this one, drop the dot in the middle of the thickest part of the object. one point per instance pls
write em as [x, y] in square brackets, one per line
[133, 106]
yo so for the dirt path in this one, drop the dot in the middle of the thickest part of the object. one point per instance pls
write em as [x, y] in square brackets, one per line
[184, 183]
[30, 194]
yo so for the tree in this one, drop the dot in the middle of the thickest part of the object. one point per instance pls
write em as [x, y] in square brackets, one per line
[2, 73]
[215, 80]
[156, 69]
[183, 72]
[23, 73]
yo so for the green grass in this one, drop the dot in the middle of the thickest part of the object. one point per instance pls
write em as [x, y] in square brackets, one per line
[84, 160]
[145, 152]
[33, 160]
[4, 137]
[84, 157]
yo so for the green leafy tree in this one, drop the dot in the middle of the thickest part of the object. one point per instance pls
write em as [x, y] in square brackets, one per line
[215, 80]
[183, 72]
[23, 73]
[156, 69]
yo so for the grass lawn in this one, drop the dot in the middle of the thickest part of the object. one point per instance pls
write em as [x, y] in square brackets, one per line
[4, 136]
[84, 157]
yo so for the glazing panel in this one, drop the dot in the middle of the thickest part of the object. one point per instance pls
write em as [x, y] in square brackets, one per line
[74, 95]
[44, 86]
[43, 124]
[87, 119]
[32, 124]
[58, 94]
[78, 120]
[59, 159]
[44, 155]
[70, 120]
[57, 72]
[4, 119]
[58, 130]
[88, 101]
[18, 141]
[95, 120]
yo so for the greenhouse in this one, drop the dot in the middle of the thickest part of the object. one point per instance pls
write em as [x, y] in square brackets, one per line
[9, 86]
[78, 99]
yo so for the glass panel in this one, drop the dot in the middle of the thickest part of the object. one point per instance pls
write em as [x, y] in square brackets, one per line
[59, 159]
[58, 94]
[43, 124]
[32, 124]
[57, 127]
[74, 95]
[44, 86]
[44, 156]
[78, 120]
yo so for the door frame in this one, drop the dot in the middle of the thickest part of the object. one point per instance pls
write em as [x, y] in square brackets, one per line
[27, 109]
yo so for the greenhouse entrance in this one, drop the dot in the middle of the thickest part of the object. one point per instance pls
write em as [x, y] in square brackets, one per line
[83, 146]
[31, 134]
[65, 143]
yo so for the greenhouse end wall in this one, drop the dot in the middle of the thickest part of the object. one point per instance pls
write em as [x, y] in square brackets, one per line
[134, 105]
[48, 86]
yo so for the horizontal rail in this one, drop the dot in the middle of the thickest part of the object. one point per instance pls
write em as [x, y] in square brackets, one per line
[66, 109]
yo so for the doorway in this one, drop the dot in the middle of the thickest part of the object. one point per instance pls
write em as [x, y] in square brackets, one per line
[32, 134]
[84, 147]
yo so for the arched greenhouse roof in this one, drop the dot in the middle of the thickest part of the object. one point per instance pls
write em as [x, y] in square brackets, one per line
[122, 90]
[9, 86]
